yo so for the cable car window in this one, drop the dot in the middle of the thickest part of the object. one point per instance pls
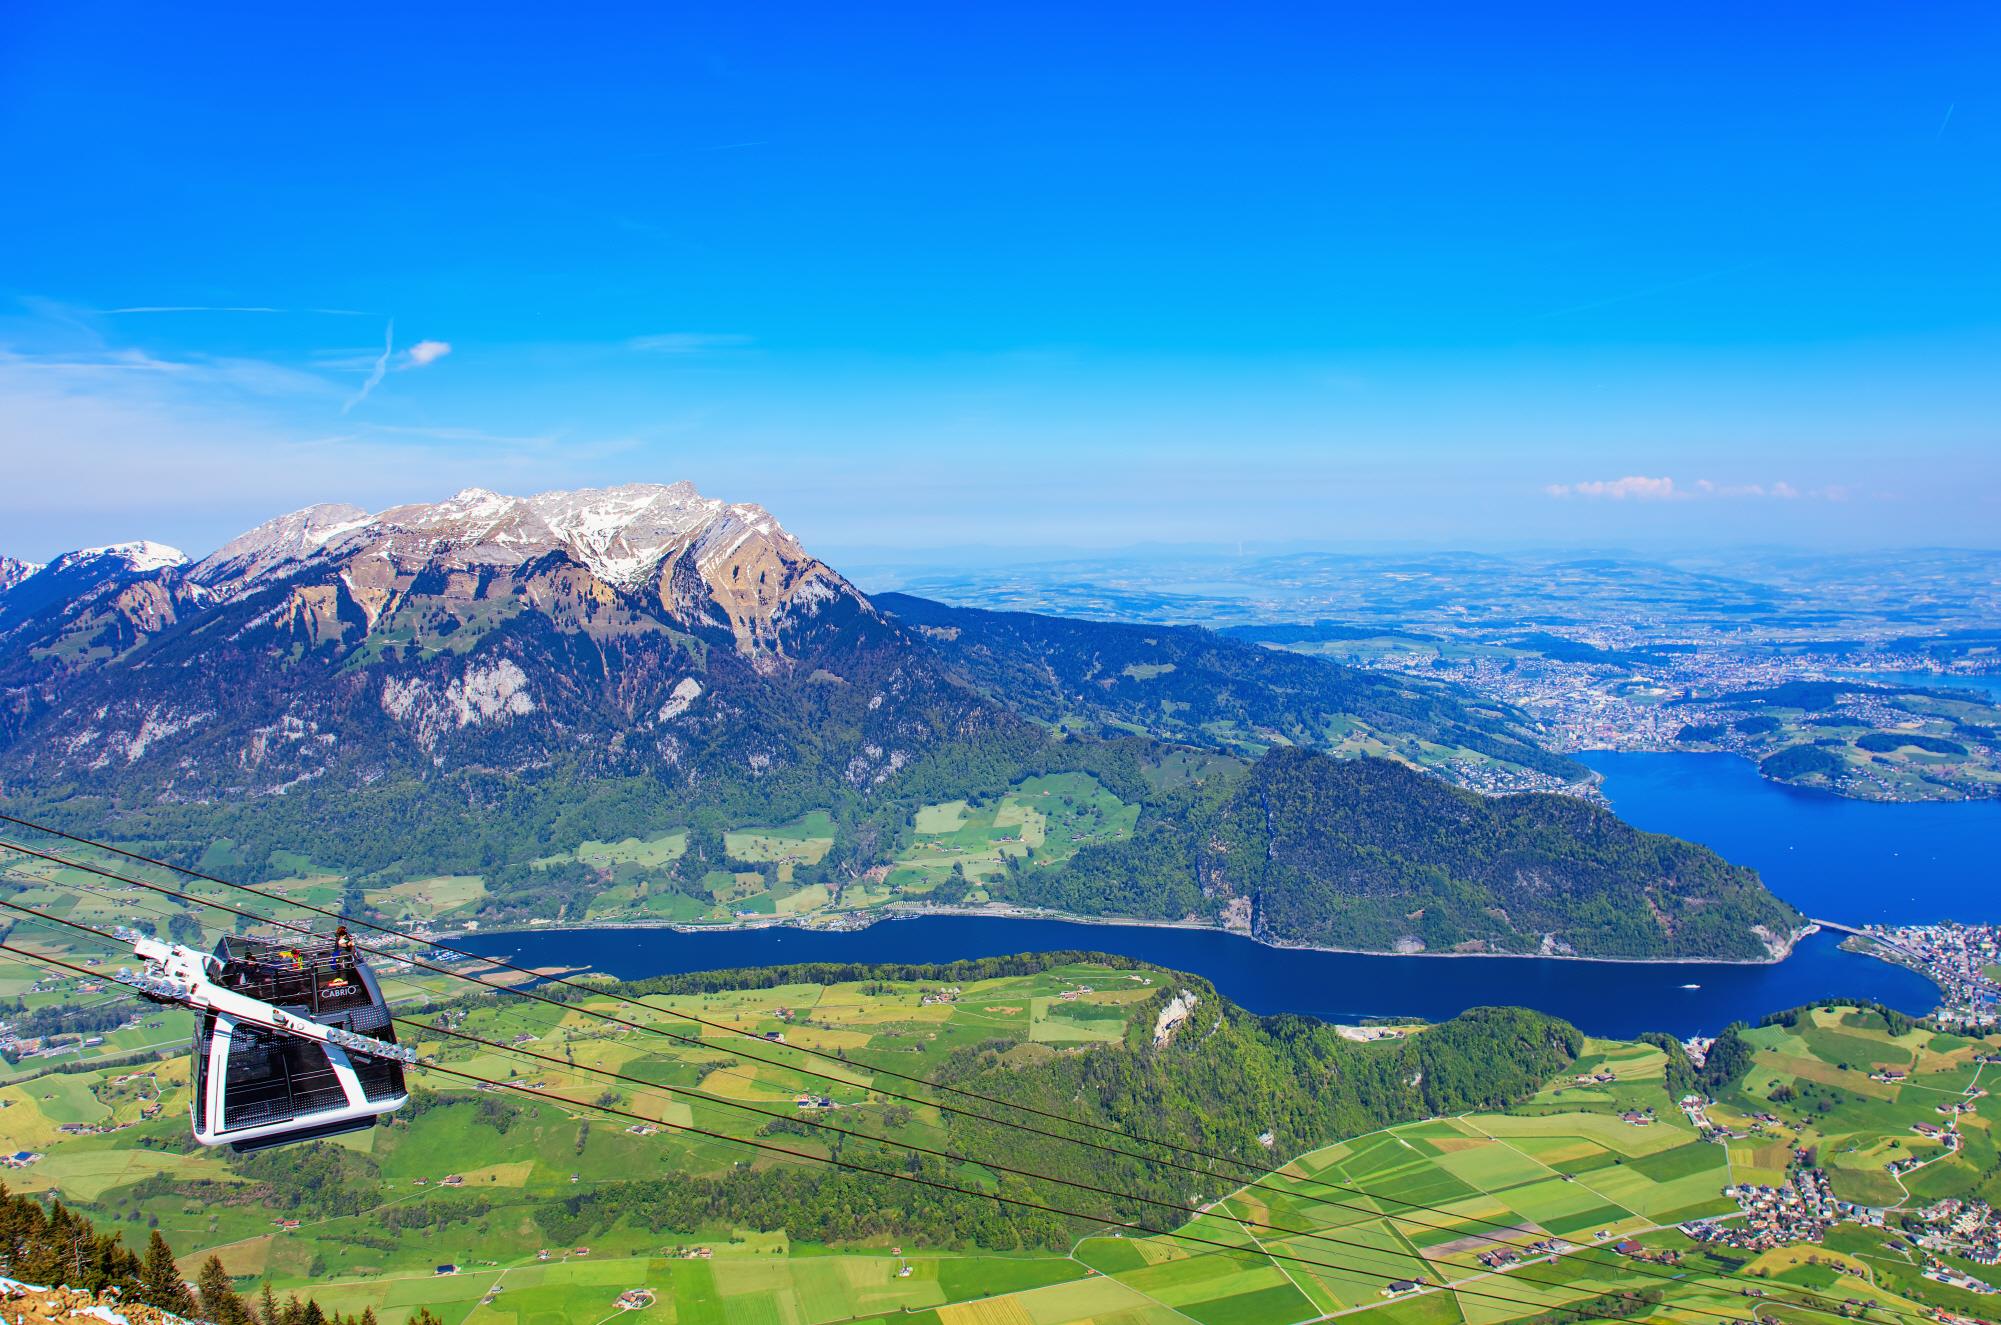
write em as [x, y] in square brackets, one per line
[204, 1036]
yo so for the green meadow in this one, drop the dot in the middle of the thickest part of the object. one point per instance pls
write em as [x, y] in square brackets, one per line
[479, 1180]
[1039, 823]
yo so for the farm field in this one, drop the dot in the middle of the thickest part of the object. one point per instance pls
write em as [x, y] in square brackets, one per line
[755, 872]
[1927, 747]
[1041, 822]
[772, 871]
[1817, 1081]
[480, 1182]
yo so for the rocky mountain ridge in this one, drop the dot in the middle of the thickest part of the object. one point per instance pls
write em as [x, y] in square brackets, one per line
[698, 558]
[485, 629]
[619, 534]
[642, 630]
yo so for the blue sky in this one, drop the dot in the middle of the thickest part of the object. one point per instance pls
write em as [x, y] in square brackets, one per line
[916, 276]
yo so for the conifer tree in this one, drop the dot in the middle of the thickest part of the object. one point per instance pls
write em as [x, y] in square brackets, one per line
[160, 1281]
[220, 1302]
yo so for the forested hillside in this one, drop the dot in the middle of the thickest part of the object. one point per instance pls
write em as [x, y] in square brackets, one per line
[1369, 854]
[1196, 686]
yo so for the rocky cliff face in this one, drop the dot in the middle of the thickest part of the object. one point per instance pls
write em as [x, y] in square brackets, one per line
[697, 558]
[644, 628]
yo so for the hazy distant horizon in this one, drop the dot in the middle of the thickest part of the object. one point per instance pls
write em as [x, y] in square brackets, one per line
[201, 532]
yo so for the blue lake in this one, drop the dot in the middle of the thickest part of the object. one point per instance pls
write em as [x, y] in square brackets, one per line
[1846, 860]
[1606, 998]
[1843, 860]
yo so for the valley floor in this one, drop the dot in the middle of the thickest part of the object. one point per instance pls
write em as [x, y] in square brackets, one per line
[1592, 1180]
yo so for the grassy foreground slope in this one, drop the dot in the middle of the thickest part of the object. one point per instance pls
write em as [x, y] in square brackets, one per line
[1409, 1153]
[490, 1182]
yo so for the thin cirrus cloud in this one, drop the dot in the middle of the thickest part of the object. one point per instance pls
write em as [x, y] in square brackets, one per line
[377, 371]
[1643, 488]
[687, 342]
[233, 308]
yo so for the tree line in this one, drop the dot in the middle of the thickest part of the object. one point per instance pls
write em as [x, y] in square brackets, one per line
[57, 1246]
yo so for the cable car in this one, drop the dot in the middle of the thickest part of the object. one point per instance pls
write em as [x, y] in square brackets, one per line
[293, 1039]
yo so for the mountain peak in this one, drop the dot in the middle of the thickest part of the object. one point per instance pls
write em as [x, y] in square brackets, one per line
[13, 571]
[606, 561]
[139, 555]
[277, 543]
[621, 534]
[697, 559]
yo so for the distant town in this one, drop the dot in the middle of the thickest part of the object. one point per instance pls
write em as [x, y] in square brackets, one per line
[1964, 961]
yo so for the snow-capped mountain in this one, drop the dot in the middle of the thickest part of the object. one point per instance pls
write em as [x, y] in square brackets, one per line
[645, 626]
[275, 545]
[477, 684]
[620, 534]
[56, 590]
[696, 557]
[12, 572]
[138, 556]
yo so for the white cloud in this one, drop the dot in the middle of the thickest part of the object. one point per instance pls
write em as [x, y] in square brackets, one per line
[1637, 487]
[1706, 488]
[422, 354]
[1634, 487]
[687, 342]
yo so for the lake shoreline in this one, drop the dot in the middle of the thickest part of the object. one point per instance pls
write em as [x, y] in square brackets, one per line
[1599, 996]
[913, 911]
[1862, 795]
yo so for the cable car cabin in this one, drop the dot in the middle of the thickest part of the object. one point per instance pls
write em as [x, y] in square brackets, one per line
[282, 1032]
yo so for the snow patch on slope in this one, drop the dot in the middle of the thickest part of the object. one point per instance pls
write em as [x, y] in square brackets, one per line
[619, 533]
[139, 555]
